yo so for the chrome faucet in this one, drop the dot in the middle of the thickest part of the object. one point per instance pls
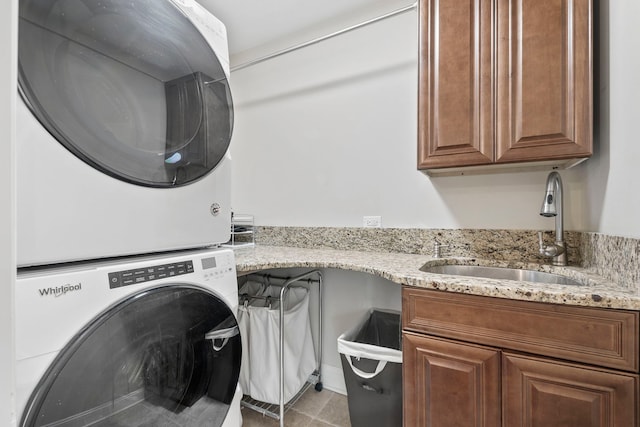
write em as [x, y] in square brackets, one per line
[552, 206]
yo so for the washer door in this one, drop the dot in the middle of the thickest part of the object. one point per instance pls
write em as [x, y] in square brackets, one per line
[131, 87]
[168, 356]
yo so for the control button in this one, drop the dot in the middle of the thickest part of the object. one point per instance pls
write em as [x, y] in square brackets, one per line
[140, 276]
[114, 280]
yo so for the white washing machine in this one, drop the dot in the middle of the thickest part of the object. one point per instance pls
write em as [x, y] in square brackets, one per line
[152, 341]
[123, 127]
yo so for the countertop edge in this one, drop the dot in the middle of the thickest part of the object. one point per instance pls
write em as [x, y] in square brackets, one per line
[404, 269]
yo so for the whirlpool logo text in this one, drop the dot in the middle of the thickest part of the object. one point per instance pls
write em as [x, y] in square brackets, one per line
[58, 291]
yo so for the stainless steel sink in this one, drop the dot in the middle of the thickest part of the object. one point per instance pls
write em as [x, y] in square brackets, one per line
[500, 273]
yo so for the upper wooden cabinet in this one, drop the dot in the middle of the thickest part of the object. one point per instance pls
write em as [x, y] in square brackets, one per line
[504, 81]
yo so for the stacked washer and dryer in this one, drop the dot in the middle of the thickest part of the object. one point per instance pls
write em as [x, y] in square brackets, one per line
[125, 307]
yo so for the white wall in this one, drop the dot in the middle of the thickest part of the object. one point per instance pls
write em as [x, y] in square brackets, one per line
[8, 56]
[612, 175]
[327, 134]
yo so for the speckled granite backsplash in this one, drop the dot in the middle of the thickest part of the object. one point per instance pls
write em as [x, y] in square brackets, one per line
[504, 245]
[614, 258]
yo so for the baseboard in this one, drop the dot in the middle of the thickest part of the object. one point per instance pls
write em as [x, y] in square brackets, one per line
[333, 379]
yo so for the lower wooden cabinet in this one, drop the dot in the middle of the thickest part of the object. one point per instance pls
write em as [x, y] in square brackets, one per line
[448, 384]
[456, 380]
[539, 392]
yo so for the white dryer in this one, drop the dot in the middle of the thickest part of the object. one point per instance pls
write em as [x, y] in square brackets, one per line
[123, 127]
[147, 342]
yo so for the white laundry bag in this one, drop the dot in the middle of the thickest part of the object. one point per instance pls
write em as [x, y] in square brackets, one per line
[299, 354]
[249, 289]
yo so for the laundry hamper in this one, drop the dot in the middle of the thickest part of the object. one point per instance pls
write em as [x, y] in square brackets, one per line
[372, 365]
[264, 341]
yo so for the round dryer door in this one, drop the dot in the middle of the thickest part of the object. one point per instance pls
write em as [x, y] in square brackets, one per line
[167, 356]
[131, 87]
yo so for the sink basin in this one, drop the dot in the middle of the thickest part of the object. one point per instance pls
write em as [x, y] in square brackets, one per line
[500, 273]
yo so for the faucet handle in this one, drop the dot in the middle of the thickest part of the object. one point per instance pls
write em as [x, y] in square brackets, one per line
[437, 249]
[551, 250]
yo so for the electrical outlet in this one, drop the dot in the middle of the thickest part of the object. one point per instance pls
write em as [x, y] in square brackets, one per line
[372, 221]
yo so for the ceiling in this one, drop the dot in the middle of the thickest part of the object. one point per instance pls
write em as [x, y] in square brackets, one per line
[254, 23]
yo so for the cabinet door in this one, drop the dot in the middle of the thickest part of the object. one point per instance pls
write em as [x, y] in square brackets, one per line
[542, 393]
[450, 384]
[544, 83]
[455, 107]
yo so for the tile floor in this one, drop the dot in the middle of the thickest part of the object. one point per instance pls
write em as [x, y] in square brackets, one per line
[314, 409]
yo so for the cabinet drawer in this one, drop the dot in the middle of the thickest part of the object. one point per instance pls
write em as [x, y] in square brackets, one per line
[603, 337]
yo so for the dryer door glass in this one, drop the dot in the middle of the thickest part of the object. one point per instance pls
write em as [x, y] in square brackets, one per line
[167, 356]
[131, 87]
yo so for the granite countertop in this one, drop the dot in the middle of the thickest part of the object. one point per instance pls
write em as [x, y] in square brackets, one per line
[404, 269]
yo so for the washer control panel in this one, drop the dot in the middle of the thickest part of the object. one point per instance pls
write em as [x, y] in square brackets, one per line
[214, 268]
[118, 279]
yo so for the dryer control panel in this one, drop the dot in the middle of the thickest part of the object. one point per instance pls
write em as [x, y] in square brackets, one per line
[135, 276]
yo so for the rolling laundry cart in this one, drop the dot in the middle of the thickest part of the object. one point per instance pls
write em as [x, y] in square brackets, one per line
[272, 292]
